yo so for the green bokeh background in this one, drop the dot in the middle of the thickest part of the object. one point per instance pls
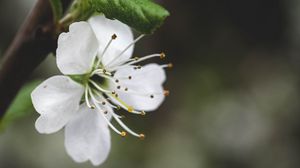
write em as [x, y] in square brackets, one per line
[234, 98]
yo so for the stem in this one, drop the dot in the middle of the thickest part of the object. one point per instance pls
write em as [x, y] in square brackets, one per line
[34, 40]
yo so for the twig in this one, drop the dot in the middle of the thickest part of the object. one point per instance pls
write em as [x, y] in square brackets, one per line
[35, 39]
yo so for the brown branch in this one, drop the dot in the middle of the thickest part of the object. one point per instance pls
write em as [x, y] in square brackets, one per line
[35, 39]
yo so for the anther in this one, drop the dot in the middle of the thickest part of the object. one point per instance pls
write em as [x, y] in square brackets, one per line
[118, 108]
[129, 77]
[114, 36]
[151, 96]
[117, 81]
[162, 55]
[170, 65]
[126, 89]
[103, 103]
[92, 107]
[166, 92]
[113, 92]
[123, 134]
[143, 113]
[130, 109]
[118, 87]
[142, 136]
[105, 112]
[116, 95]
[139, 67]
[136, 58]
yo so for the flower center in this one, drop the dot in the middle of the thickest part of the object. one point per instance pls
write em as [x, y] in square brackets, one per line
[101, 97]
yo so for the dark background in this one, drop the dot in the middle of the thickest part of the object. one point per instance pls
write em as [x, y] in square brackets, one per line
[234, 99]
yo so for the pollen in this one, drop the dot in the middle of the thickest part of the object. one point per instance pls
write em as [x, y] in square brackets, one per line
[114, 36]
[123, 133]
[142, 136]
[162, 55]
[166, 92]
[130, 109]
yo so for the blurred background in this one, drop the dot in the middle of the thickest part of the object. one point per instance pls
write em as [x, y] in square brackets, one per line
[234, 99]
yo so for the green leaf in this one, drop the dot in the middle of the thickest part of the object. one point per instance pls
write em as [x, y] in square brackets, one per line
[21, 106]
[143, 15]
[57, 9]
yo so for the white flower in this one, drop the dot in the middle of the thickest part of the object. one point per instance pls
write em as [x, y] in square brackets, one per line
[99, 76]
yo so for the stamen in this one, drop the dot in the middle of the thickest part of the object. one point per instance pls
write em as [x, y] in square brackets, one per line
[99, 88]
[106, 120]
[117, 57]
[86, 94]
[125, 127]
[100, 72]
[169, 65]
[137, 60]
[114, 36]
[126, 107]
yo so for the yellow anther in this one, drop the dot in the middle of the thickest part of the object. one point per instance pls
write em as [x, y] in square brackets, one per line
[130, 109]
[142, 136]
[170, 65]
[114, 36]
[166, 92]
[136, 58]
[123, 133]
[162, 55]
[113, 92]
[92, 107]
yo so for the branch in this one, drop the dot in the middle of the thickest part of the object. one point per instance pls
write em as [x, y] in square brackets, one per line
[35, 39]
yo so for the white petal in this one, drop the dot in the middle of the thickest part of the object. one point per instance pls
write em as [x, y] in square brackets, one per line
[104, 28]
[87, 137]
[76, 49]
[57, 100]
[146, 81]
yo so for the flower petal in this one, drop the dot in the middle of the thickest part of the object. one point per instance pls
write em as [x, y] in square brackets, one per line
[87, 137]
[56, 99]
[76, 49]
[144, 83]
[104, 29]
